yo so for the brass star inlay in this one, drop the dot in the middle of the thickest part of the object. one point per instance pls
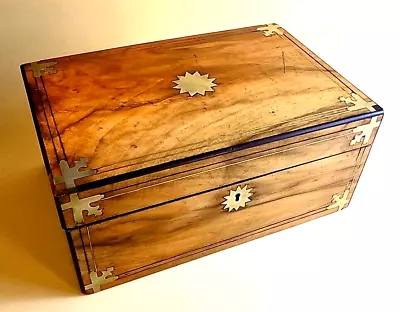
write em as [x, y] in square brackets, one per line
[237, 199]
[195, 83]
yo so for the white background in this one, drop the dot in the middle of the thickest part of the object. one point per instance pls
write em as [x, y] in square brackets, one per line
[347, 261]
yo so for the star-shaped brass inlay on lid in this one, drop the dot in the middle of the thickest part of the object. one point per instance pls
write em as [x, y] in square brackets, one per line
[195, 83]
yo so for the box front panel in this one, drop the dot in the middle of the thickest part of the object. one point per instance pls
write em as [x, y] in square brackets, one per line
[154, 239]
[195, 178]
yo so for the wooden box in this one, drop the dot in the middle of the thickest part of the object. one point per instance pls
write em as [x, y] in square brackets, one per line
[164, 152]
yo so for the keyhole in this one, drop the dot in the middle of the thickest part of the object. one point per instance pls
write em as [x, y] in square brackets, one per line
[237, 196]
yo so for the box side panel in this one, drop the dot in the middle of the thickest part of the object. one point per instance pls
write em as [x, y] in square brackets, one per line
[149, 241]
[44, 120]
[42, 127]
[364, 153]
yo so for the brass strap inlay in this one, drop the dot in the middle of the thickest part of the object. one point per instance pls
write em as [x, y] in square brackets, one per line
[91, 250]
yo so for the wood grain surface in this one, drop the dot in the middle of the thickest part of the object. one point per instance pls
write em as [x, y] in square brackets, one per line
[154, 239]
[182, 181]
[119, 109]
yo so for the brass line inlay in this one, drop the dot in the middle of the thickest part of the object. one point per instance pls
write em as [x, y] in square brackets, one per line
[91, 249]
[359, 165]
[356, 167]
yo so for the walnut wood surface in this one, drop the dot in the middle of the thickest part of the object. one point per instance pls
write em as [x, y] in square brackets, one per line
[154, 239]
[118, 107]
[206, 175]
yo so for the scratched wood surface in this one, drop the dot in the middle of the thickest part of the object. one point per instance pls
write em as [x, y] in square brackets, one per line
[118, 107]
[194, 178]
[154, 239]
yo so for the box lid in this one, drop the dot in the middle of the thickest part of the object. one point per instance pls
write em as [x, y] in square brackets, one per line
[104, 116]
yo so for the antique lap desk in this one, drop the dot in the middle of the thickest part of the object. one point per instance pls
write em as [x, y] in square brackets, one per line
[164, 152]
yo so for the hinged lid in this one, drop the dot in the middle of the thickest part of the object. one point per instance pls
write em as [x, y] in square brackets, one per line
[104, 115]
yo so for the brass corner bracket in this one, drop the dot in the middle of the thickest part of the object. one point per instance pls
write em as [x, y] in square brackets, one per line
[366, 132]
[48, 67]
[70, 174]
[98, 281]
[339, 201]
[357, 102]
[79, 205]
[270, 30]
